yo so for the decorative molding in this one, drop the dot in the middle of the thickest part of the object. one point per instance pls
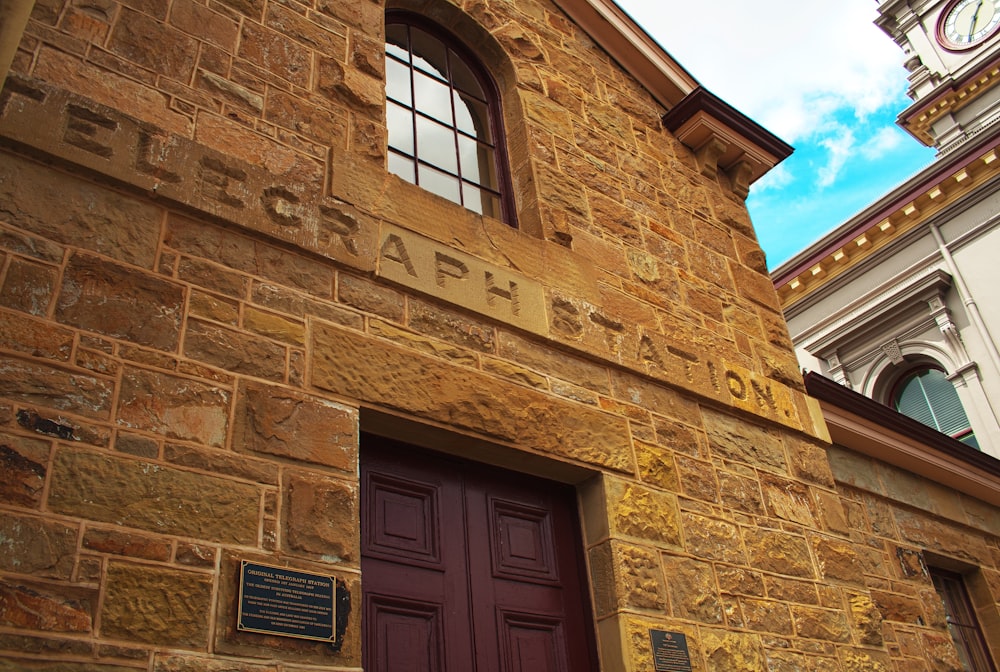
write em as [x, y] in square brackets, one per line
[723, 138]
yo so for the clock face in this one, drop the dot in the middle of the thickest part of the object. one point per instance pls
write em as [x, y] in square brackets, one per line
[966, 23]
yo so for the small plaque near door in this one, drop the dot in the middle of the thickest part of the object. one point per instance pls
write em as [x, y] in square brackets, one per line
[670, 651]
[280, 601]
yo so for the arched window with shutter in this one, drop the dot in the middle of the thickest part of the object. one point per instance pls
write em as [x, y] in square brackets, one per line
[926, 395]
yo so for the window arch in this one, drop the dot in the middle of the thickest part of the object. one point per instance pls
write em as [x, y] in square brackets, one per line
[443, 117]
[925, 394]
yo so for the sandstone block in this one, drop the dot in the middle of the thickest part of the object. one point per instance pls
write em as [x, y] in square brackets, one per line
[35, 383]
[825, 624]
[370, 297]
[838, 561]
[120, 302]
[176, 407]
[235, 351]
[127, 544]
[74, 212]
[778, 552]
[138, 494]
[321, 515]
[728, 651]
[692, 589]
[222, 462]
[788, 500]
[175, 605]
[735, 439]
[22, 470]
[276, 54]
[27, 606]
[275, 421]
[768, 616]
[713, 539]
[642, 513]
[154, 45]
[37, 547]
[34, 337]
[350, 364]
[28, 286]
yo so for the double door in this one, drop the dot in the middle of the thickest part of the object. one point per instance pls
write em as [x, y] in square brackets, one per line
[467, 568]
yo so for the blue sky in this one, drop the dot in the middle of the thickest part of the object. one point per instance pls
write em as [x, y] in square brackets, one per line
[822, 77]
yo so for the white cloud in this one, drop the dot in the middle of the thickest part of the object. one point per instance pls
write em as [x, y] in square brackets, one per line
[882, 143]
[785, 63]
[839, 147]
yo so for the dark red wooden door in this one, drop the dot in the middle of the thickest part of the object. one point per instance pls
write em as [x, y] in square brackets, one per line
[467, 568]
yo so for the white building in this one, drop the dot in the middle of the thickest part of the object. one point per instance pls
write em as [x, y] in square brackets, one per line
[902, 299]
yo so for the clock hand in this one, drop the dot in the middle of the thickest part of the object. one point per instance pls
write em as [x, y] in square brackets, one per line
[975, 17]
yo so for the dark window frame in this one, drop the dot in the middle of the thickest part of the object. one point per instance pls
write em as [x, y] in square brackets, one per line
[963, 625]
[503, 189]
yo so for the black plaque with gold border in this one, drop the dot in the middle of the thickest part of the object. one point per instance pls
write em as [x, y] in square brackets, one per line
[287, 602]
[670, 651]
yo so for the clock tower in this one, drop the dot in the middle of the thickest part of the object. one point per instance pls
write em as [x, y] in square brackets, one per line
[952, 52]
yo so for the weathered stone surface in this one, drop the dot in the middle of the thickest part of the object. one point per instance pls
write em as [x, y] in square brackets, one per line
[275, 53]
[73, 212]
[740, 493]
[370, 297]
[175, 605]
[125, 543]
[788, 500]
[148, 42]
[347, 363]
[713, 539]
[778, 552]
[152, 497]
[277, 421]
[321, 516]
[867, 619]
[738, 440]
[178, 663]
[36, 546]
[642, 513]
[729, 651]
[235, 351]
[39, 384]
[692, 589]
[23, 464]
[46, 608]
[28, 286]
[222, 462]
[838, 561]
[656, 466]
[767, 616]
[869, 661]
[826, 624]
[120, 302]
[274, 326]
[34, 337]
[176, 407]
[639, 580]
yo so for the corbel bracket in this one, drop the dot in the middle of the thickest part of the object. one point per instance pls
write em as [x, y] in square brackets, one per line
[724, 139]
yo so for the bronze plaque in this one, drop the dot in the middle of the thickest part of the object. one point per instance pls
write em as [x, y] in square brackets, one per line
[281, 601]
[670, 651]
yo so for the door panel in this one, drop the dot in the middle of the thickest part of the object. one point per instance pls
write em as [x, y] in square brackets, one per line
[468, 568]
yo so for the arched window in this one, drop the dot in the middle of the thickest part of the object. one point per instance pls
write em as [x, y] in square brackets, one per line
[925, 394]
[443, 116]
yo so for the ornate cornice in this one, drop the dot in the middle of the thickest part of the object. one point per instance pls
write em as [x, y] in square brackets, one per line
[942, 184]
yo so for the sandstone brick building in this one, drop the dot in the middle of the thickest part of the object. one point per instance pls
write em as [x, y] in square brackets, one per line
[539, 412]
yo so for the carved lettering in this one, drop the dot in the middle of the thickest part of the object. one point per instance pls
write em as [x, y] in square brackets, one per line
[713, 376]
[446, 266]
[395, 250]
[151, 156]
[344, 224]
[736, 386]
[566, 318]
[648, 352]
[282, 206]
[89, 130]
[493, 292]
[217, 179]
[764, 394]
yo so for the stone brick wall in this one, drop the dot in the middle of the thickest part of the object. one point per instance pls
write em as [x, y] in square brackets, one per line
[210, 285]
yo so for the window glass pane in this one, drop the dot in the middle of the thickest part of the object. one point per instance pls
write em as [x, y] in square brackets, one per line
[463, 79]
[473, 117]
[432, 97]
[396, 41]
[402, 166]
[399, 121]
[439, 183]
[397, 81]
[429, 54]
[478, 162]
[436, 145]
[481, 201]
